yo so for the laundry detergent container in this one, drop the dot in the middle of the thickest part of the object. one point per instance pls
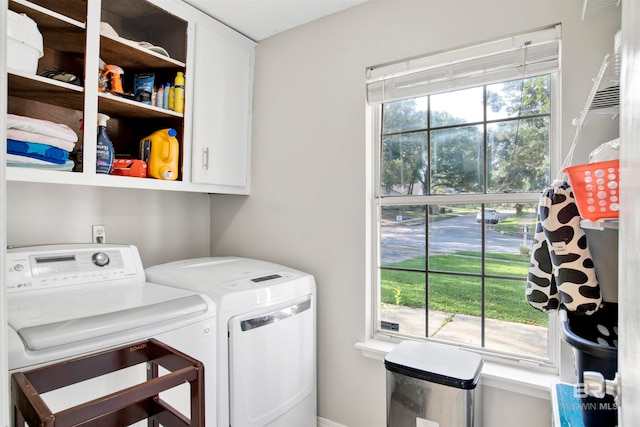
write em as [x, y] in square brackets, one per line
[594, 340]
[430, 384]
[24, 43]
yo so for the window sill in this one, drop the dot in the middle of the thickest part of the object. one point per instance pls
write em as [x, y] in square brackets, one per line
[510, 378]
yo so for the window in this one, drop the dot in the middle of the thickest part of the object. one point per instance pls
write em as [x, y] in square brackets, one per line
[464, 144]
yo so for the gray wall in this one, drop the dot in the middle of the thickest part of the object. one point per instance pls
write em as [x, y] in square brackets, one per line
[164, 225]
[308, 206]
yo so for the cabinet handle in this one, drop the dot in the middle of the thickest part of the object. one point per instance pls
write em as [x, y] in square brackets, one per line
[205, 157]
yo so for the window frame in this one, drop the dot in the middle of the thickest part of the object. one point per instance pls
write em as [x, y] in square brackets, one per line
[376, 201]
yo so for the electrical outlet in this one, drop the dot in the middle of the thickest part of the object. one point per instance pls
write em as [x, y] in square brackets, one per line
[99, 233]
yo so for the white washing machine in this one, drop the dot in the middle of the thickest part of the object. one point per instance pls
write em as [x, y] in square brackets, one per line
[266, 337]
[66, 301]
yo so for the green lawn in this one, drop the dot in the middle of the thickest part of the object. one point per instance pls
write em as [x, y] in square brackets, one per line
[513, 223]
[460, 294]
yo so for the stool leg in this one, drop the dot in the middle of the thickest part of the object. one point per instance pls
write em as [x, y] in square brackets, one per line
[152, 372]
[18, 419]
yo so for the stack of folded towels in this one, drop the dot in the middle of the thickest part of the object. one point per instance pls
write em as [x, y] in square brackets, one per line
[39, 143]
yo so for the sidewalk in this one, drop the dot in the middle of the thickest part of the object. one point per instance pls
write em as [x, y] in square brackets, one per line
[499, 335]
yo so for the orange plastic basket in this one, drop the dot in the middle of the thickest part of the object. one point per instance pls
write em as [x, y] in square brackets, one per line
[596, 189]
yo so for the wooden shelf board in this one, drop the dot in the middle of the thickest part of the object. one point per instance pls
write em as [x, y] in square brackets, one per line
[74, 9]
[49, 91]
[127, 54]
[48, 18]
[121, 107]
[67, 40]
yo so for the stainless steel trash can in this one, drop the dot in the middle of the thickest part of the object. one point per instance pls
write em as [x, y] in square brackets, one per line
[431, 385]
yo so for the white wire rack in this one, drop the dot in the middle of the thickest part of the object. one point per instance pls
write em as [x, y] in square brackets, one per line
[604, 99]
[593, 6]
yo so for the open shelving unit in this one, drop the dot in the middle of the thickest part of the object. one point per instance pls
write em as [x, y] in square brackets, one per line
[214, 154]
[69, 45]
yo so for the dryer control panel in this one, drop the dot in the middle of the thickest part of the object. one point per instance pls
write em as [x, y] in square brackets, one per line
[51, 266]
[261, 281]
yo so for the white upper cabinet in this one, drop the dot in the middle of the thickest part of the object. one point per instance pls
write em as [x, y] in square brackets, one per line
[223, 81]
[214, 131]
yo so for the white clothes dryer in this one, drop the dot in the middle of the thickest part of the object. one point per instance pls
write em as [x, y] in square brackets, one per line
[266, 337]
[66, 301]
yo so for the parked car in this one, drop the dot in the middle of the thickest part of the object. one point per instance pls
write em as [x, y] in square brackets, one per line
[490, 215]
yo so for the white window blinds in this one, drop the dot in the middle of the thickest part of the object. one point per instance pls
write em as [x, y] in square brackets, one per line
[507, 59]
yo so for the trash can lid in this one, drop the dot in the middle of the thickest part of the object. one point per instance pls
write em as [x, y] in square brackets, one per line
[438, 363]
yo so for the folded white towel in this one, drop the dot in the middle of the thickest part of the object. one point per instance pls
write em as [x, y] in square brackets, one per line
[15, 160]
[26, 136]
[44, 127]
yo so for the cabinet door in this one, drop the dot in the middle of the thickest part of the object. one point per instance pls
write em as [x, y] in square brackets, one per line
[222, 101]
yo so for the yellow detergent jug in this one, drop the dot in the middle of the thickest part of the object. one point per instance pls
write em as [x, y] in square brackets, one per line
[161, 151]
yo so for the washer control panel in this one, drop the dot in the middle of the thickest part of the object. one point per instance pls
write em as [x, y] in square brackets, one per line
[50, 266]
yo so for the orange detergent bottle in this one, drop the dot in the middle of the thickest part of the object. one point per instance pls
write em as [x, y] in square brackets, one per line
[161, 151]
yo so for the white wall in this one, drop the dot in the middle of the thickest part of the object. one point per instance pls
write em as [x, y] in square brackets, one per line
[164, 225]
[308, 202]
[629, 316]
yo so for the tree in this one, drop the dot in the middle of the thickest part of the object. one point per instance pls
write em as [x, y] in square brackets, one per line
[453, 159]
[457, 158]
[519, 148]
[404, 155]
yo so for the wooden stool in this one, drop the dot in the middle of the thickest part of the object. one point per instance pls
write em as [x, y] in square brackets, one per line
[122, 407]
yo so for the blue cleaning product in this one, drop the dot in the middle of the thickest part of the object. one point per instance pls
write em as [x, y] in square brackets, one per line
[104, 148]
[143, 87]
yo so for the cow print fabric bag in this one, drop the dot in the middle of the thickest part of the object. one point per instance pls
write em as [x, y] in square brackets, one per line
[561, 270]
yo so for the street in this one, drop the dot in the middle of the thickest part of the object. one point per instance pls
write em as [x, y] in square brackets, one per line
[405, 240]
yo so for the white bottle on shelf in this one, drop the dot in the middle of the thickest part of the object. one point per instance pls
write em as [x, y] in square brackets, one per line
[160, 97]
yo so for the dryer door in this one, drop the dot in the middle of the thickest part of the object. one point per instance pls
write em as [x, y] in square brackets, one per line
[272, 361]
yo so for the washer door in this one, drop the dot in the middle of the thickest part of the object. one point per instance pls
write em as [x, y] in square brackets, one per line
[272, 361]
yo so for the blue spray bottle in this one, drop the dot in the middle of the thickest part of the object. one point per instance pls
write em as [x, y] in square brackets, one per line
[104, 148]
